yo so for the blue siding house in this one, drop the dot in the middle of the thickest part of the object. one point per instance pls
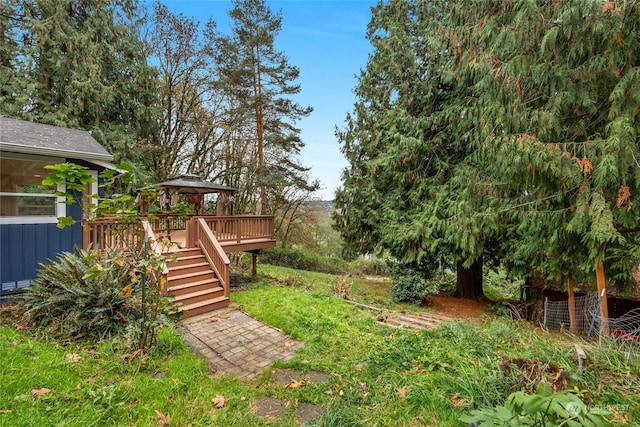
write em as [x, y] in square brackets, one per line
[28, 210]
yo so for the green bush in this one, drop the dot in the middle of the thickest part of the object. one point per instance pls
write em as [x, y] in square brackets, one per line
[544, 408]
[306, 259]
[83, 293]
[301, 259]
[410, 285]
[368, 267]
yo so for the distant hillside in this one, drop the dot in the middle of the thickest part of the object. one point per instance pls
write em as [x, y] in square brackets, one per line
[325, 205]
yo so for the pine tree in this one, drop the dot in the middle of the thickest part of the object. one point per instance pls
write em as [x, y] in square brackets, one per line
[261, 80]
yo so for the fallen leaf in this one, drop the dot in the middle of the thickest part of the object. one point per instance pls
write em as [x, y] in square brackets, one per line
[455, 399]
[126, 383]
[363, 386]
[163, 420]
[220, 401]
[402, 393]
[5, 411]
[295, 384]
[40, 392]
[75, 358]
[170, 398]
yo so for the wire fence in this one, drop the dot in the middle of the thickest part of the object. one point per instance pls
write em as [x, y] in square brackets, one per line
[556, 313]
[625, 327]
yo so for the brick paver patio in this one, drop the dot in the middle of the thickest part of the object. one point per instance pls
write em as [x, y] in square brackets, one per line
[235, 343]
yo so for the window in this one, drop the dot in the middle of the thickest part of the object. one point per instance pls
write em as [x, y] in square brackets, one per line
[23, 198]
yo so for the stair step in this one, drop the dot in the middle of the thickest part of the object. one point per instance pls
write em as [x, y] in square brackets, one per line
[190, 310]
[182, 253]
[432, 316]
[175, 271]
[198, 296]
[420, 322]
[402, 325]
[210, 283]
[173, 281]
[185, 260]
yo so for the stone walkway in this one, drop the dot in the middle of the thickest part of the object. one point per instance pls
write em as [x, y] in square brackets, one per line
[235, 343]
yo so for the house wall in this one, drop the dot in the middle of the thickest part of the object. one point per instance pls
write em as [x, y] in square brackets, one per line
[24, 246]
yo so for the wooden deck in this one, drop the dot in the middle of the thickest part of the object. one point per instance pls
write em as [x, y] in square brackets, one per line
[238, 233]
[198, 271]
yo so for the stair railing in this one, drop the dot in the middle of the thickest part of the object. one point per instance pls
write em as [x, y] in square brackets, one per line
[158, 247]
[199, 234]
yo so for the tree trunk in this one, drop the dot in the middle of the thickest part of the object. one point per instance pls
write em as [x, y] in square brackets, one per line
[469, 281]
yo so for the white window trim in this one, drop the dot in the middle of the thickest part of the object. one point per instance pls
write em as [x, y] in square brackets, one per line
[61, 207]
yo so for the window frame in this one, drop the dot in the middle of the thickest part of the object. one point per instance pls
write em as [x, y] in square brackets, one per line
[60, 206]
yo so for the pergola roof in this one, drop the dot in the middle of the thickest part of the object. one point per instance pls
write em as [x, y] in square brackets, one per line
[193, 184]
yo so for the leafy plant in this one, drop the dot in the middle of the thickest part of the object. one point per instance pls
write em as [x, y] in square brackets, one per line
[83, 293]
[410, 285]
[135, 274]
[543, 408]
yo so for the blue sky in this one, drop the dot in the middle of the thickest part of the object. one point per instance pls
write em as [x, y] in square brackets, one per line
[325, 39]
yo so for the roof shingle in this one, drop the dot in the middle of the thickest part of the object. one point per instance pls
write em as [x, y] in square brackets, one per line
[36, 138]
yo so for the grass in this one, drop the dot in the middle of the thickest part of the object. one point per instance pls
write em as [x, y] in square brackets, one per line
[378, 376]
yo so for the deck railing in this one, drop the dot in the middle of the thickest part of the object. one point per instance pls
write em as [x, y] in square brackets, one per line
[125, 232]
[111, 232]
[203, 238]
[239, 228]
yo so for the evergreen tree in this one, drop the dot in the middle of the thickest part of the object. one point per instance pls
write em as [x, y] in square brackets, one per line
[496, 131]
[261, 80]
[10, 17]
[405, 143]
[558, 101]
[83, 65]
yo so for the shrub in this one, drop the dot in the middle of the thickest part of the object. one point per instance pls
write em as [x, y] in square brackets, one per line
[83, 293]
[410, 285]
[544, 408]
[300, 259]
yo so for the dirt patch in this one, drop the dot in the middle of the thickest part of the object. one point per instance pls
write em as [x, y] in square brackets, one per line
[446, 305]
[529, 373]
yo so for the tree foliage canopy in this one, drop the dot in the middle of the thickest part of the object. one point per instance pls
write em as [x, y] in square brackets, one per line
[498, 129]
[78, 64]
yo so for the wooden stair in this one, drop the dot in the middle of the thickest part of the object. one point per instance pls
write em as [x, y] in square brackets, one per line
[193, 284]
[416, 320]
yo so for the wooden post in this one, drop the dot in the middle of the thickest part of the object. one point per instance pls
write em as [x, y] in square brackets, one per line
[254, 266]
[572, 306]
[604, 310]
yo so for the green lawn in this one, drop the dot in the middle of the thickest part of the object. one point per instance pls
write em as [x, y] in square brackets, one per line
[379, 376]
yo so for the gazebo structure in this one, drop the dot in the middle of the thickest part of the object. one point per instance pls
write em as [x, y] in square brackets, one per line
[198, 276]
[194, 188]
